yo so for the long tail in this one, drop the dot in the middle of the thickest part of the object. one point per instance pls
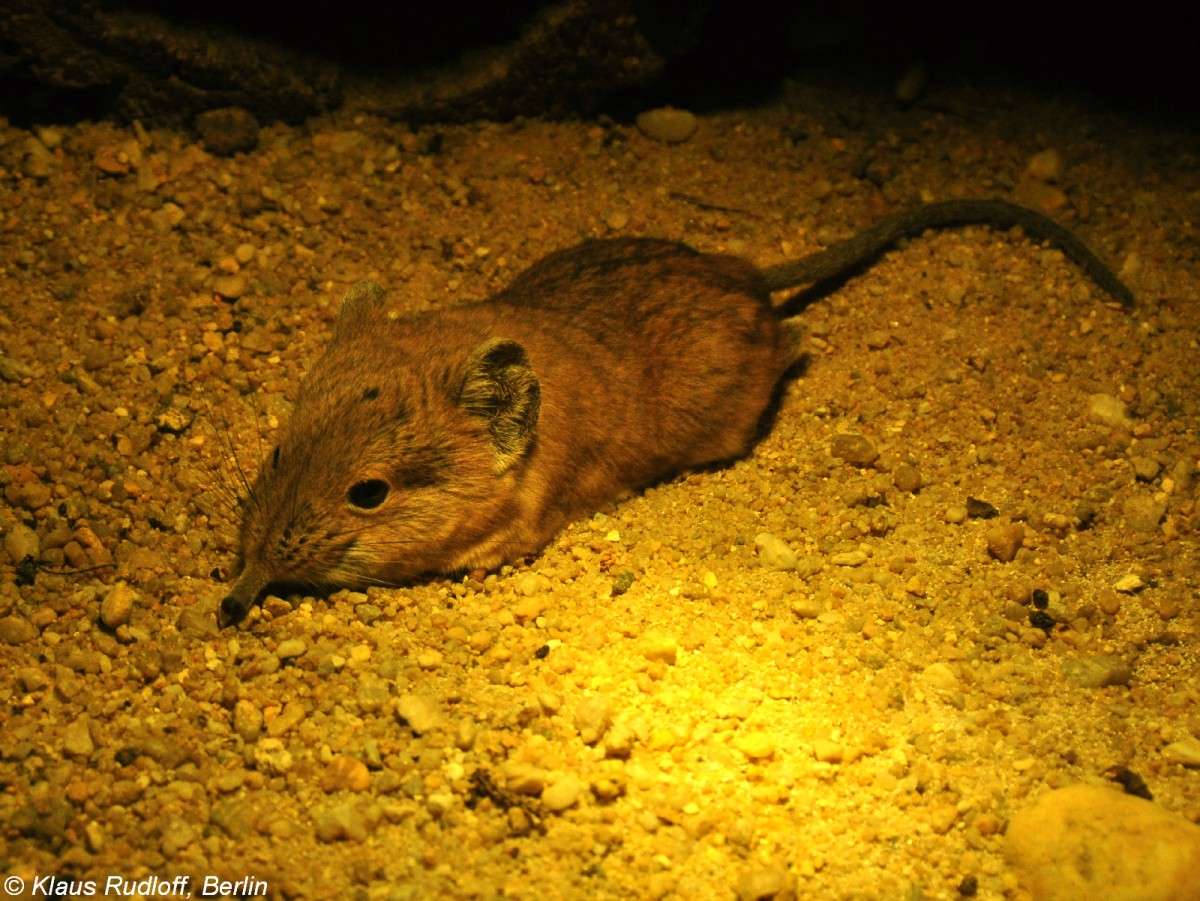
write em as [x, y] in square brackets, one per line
[844, 256]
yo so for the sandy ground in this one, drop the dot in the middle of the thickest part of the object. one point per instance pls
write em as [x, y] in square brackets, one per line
[855, 715]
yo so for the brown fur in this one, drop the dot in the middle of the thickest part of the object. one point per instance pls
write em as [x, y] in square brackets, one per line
[465, 438]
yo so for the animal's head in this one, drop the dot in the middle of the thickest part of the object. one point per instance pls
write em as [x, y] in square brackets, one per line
[396, 461]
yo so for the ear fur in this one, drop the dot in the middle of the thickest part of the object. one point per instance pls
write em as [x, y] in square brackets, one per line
[363, 301]
[501, 389]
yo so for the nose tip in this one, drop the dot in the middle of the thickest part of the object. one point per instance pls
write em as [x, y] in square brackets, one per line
[232, 608]
[241, 598]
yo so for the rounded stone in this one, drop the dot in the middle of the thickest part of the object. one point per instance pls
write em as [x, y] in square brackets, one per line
[854, 448]
[231, 287]
[15, 630]
[290, 648]
[117, 605]
[562, 794]
[1085, 842]
[667, 124]
[345, 773]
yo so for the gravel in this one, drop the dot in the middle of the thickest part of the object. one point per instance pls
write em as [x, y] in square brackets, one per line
[665, 703]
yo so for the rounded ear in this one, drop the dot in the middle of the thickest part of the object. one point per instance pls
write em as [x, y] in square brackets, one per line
[363, 302]
[500, 388]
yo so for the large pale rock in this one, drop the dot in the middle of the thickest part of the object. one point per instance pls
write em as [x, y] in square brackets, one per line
[1088, 842]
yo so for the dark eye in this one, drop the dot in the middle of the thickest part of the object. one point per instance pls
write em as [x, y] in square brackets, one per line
[369, 494]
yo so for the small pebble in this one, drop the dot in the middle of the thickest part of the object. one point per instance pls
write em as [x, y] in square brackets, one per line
[20, 542]
[562, 794]
[345, 141]
[907, 478]
[524, 778]
[1145, 469]
[247, 721]
[15, 630]
[1131, 266]
[290, 648]
[228, 130]
[292, 715]
[1056, 521]
[941, 676]
[617, 221]
[465, 733]
[807, 607]
[1186, 752]
[530, 608]
[854, 448]
[32, 678]
[111, 159]
[1097, 672]
[1047, 166]
[828, 751]
[942, 818]
[50, 136]
[1143, 512]
[988, 823]
[117, 605]
[956, 514]
[1108, 410]
[775, 553]
[14, 371]
[667, 124]
[1004, 541]
[1128, 584]
[656, 645]
[530, 584]
[421, 712]
[95, 837]
[231, 287]
[168, 216]
[272, 758]
[77, 739]
[593, 715]
[755, 745]
[177, 836]
[877, 339]
[38, 163]
[619, 741]
[849, 558]
[770, 881]
[622, 583]
[345, 773]
[196, 622]
[340, 822]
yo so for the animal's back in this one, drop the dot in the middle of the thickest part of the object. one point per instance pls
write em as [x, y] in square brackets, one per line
[662, 357]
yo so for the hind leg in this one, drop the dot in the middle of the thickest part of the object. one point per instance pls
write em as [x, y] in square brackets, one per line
[793, 340]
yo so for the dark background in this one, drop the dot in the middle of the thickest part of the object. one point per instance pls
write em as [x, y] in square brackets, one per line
[150, 59]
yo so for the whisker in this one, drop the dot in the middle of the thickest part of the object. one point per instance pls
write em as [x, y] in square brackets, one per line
[258, 434]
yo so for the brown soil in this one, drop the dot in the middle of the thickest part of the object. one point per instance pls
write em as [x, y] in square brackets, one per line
[861, 725]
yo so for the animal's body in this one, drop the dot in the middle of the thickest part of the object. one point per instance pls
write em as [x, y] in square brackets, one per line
[465, 438]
